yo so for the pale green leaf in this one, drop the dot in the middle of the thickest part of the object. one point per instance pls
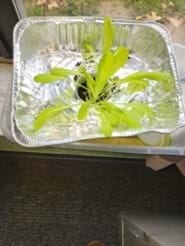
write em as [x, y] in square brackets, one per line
[108, 34]
[135, 81]
[82, 69]
[83, 111]
[157, 76]
[90, 83]
[103, 71]
[46, 114]
[124, 115]
[133, 87]
[89, 79]
[106, 128]
[113, 118]
[120, 58]
[88, 48]
[47, 78]
[62, 71]
[88, 52]
[130, 118]
[143, 109]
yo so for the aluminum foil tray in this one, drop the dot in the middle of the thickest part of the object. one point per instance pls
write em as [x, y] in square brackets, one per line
[45, 42]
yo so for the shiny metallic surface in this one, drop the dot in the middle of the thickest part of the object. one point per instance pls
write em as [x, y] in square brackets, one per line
[46, 42]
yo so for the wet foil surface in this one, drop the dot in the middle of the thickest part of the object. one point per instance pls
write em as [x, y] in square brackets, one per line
[43, 43]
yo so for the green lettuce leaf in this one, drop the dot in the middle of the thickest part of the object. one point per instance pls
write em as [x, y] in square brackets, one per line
[142, 109]
[158, 76]
[125, 116]
[83, 111]
[120, 58]
[103, 71]
[46, 114]
[62, 71]
[108, 35]
[106, 127]
[47, 78]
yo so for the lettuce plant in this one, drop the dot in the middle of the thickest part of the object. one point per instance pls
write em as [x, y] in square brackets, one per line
[96, 88]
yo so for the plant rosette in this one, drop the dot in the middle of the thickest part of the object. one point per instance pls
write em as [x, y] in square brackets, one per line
[96, 83]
